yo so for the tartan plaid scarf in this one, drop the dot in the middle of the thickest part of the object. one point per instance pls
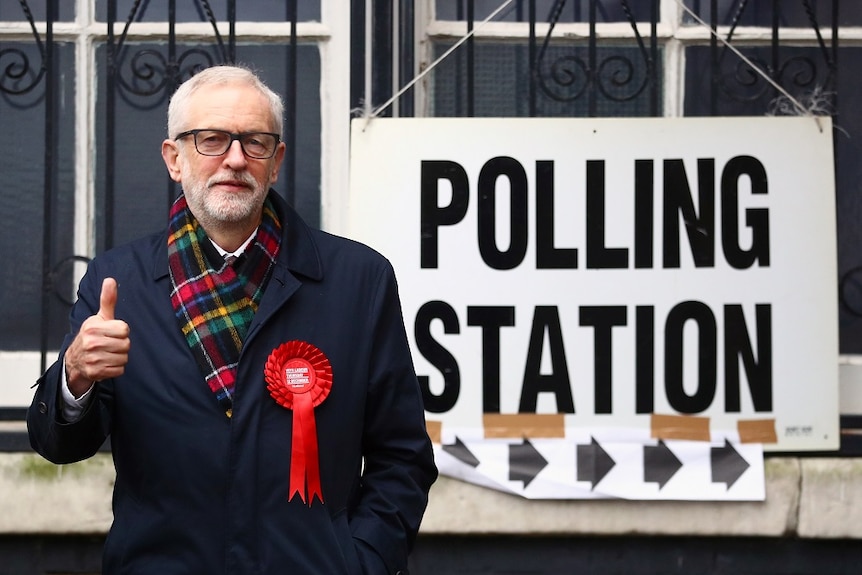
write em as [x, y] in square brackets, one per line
[215, 304]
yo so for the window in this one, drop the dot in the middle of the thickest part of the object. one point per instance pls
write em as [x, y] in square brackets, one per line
[84, 88]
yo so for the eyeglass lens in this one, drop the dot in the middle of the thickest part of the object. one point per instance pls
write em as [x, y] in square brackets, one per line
[217, 142]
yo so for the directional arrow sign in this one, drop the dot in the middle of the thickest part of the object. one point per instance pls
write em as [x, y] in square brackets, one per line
[525, 462]
[593, 463]
[727, 464]
[460, 452]
[660, 464]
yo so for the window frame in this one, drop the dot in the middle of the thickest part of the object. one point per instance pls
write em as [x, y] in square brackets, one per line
[86, 33]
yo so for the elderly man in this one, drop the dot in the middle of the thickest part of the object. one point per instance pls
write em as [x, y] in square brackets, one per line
[252, 373]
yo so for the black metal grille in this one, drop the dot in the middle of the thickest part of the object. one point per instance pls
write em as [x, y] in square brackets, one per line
[136, 75]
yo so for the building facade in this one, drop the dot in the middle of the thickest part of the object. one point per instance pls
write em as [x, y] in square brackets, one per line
[84, 87]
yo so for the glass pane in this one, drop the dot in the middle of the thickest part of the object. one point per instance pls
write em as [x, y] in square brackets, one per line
[22, 162]
[762, 12]
[740, 90]
[848, 150]
[143, 191]
[546, 10]
[201, 10]
[64, 10]
[807, 79]
[502, 82]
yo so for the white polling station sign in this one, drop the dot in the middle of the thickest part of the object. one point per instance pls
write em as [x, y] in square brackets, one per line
[567, 277]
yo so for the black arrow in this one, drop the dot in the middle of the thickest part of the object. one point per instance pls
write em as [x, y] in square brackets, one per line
[460, 452]
[525, 462]
[660, 464]
[727, 464]
[593, 463]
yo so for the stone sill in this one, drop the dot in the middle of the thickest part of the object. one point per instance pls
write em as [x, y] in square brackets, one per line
[805, 497]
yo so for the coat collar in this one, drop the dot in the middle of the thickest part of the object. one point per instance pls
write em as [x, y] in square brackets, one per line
[298, 253]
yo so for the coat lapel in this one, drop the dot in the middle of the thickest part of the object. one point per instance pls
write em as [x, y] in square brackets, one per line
[298, 259]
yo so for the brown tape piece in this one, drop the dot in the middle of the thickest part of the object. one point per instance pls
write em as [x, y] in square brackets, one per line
[528, 425]
[687, 427]
[757, 431]
[435, 431]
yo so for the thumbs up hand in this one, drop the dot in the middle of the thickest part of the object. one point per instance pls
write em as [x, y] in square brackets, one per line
[101, 348]
[108, 299]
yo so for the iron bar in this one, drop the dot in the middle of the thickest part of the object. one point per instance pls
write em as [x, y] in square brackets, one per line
[593, 63]
[471, 60]
[534, 62]
[290, 136]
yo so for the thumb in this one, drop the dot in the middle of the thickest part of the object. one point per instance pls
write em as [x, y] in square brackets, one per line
[108, 299]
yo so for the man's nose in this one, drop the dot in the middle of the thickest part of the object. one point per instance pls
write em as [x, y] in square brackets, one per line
[235, 155]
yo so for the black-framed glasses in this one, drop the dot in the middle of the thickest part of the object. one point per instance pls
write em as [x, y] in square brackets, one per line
[257, 145]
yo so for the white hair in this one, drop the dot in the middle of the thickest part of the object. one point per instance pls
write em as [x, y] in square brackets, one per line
[220, 76]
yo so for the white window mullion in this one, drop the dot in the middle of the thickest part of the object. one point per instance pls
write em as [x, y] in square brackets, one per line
[673, 79]
[85, 136]
[334, 116]
[673, 62]
[422, 51]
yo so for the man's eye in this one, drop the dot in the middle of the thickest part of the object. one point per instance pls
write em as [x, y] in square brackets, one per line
[213, 139]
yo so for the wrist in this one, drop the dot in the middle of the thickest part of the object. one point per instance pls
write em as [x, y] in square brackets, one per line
[76, 385]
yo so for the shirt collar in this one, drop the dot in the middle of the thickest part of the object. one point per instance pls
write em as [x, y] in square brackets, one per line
[238, 252]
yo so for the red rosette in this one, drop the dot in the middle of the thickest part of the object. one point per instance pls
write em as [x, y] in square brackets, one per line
[299, 378]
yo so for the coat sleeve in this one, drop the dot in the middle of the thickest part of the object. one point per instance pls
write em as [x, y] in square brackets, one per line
[399, 460]
[50, 435]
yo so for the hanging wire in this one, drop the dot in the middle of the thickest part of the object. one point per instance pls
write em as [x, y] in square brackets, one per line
[803, 111]
[376, 111]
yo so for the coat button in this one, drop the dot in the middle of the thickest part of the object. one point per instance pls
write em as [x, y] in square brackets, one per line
[43, 408]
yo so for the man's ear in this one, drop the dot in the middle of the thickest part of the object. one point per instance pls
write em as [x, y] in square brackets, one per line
[171, 156]
[276, 164]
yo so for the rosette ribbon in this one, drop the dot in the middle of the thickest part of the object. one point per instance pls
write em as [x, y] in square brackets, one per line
[299, 378]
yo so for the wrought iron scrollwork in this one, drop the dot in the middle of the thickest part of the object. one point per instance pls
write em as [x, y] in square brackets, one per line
[616, 73]
[151, 72]
[18, 75]
[747, 84]
[569, 76]
[744, 83]
[566, 79]
[850, 291]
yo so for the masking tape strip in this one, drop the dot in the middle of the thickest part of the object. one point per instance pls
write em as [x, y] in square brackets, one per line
[685, 427]
[757, 431]
[435, 431]
[528, 425]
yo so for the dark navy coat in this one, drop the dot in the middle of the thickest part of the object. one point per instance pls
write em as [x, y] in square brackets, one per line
[198, 493]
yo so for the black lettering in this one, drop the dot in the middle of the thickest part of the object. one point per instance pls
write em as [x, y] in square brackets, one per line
[756, 218]
[644, 192]
[644, 359]
[678, 201]
[437, 355]
[599, 256]
[490, 319]
[546, 319]
[432, 216]
[603, 319]
[702, 398]
[737, 345]
[487, 223]
[547, 255]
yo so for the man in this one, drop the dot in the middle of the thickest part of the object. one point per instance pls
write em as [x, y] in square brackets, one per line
[264, 415]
